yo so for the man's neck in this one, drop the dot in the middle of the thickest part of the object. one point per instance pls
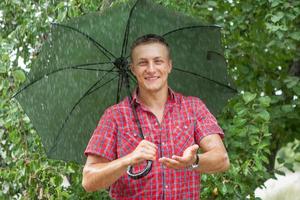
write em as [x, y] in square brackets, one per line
[154, 100]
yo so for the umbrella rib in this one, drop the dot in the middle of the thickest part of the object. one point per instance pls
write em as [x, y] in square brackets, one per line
[88, 92]
[119, 88]
[195, 74]
[102, 85]
[98, 45]
[76, 67]
[191, 27]
[125, 40]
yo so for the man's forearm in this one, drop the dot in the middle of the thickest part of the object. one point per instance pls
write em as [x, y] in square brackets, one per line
[103, 175]
[213, 161]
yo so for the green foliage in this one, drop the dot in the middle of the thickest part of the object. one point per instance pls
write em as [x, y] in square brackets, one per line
[261, 40]
[25, 172]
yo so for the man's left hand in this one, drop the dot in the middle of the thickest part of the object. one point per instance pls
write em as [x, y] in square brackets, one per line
[179, 162]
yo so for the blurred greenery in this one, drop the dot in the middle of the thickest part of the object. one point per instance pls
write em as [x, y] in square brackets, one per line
[262, 48]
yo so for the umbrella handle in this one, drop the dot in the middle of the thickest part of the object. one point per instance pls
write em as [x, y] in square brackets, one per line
[141, 173]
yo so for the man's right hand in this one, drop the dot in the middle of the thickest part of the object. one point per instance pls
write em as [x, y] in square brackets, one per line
[144, 151]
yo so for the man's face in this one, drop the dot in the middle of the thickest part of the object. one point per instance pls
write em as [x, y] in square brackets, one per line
[151, 66]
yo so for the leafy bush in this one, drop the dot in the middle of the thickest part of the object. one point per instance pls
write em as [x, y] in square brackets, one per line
[261, 42]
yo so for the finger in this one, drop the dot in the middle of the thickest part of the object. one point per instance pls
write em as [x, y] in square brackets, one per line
[149, 155]
[171, 163]
[180, 159]
[149, 149]
[171, 166]
[194, 148]
[148, 143]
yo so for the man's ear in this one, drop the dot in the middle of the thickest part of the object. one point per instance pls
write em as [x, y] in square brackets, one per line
[131, 68]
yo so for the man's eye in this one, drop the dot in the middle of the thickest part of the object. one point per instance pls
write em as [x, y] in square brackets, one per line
[158, 61]
[142, 63]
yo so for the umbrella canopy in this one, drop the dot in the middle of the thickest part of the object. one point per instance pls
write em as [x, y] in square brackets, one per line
[82, 68]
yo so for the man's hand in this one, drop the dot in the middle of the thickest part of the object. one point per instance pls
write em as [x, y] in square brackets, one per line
[184, 161]
[144, 151]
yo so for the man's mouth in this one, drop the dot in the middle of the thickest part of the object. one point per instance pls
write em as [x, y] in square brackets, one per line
[152, 78]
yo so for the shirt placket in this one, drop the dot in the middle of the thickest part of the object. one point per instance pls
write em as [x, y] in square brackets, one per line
[160, 135]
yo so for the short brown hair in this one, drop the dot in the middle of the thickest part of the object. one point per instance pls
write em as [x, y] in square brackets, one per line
[149, 38]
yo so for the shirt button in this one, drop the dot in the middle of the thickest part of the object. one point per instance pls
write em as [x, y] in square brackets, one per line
[135, 135]
[185, 127]
[163, 143]
[166, 186]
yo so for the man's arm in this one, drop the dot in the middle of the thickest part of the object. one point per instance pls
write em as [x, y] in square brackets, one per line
[213, 159]
[100, 173]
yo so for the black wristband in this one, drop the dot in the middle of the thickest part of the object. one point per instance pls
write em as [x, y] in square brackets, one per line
[197, 160]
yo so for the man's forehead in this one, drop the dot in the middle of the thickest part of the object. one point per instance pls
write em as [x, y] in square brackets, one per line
[152, 44]
[156, 57]
[151, 48]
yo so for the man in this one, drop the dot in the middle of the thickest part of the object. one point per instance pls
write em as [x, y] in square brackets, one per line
[174, 127]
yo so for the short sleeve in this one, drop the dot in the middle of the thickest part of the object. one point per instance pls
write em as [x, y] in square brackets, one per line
[103, 140]
[206, 123]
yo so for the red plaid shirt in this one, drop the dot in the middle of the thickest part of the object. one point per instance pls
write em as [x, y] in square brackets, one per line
[185, 122]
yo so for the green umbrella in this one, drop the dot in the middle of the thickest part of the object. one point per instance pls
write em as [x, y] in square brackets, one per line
[83, 68]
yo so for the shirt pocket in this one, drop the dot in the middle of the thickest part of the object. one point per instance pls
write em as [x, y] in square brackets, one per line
[183, 137]
[128, 140]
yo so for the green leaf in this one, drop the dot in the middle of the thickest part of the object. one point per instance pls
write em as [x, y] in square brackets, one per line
[264, 159]
[278, 16]
[282, 173]
[247, 97]
[287, 108]
[3, 69]
[296, 89]
[258, 163]
[239, 121]
[224, 189]
[289, 166]
[212, 3]
[274, 3]
[263, 144]
[291, 81]
[280, 160]
[19, 75]
[295, 35]
[264, 115]
[265, 101]
[253, 129]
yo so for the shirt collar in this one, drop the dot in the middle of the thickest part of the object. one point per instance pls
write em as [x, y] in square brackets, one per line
[171, 96]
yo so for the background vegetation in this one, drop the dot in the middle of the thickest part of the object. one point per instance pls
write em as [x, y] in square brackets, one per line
[262, 47]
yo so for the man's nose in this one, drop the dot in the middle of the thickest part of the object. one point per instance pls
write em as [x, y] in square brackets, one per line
[151, 67]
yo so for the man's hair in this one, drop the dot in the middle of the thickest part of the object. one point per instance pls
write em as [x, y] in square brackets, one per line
[147, 39]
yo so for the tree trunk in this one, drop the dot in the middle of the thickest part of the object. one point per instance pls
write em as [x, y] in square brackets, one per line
[272, 157]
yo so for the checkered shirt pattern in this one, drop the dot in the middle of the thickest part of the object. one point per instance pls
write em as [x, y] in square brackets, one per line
[186, 121]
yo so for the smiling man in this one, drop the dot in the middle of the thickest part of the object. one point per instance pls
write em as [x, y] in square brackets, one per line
[174, 127]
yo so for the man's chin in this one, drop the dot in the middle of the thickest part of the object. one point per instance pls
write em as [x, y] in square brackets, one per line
[152, 88]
